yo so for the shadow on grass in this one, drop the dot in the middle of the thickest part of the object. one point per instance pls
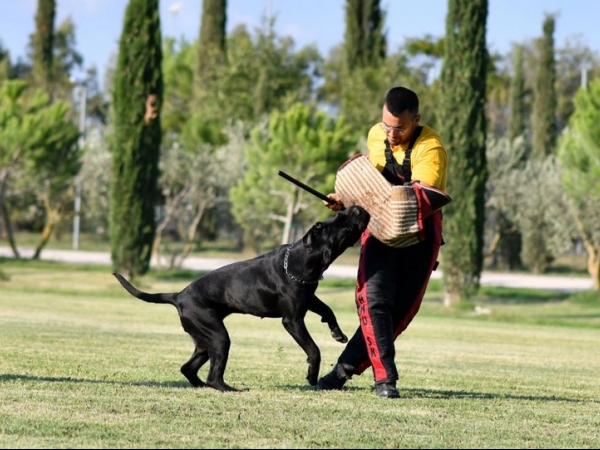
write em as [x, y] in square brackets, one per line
[406, 393]
[449, 394]
[439, 393]
[166, 384]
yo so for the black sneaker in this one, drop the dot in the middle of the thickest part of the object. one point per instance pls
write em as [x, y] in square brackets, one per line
[386, 390]
[335, 379]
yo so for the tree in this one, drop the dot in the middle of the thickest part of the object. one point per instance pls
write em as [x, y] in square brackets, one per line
[507, 244]
[66, 60]
[542, 212]
[51, 168]
[536, 252]
[192, 184]
[463, 128]
[178, 72]
[135, 146]
[210, 61]
[266, 73]
[365, 43]
[38, 142]
[572, 61]
[5, 64]
[363, 73]
[544, 132]
[517, 124]
[254, 57]
[43, 44]
[504, 158]
[579, 153]
[304, 143]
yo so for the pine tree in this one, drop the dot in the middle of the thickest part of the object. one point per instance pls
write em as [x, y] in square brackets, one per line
[579, 154]
[463, 128]
[365, 44]
[43, 44]
[544, 134]
[135, 147]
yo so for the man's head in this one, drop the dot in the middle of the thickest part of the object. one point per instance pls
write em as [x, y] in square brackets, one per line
[400, 115]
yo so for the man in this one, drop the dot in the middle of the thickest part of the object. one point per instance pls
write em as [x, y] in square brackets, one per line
[391, 281]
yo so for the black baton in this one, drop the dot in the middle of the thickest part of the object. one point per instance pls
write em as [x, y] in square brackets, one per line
[307, 188]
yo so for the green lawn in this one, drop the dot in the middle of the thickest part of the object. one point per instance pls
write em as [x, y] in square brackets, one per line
[85, 365]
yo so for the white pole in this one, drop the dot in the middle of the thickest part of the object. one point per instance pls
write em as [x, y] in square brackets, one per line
[80, 144]
[584, 71]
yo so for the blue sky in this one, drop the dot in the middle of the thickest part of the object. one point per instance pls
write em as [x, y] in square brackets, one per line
[99, 22]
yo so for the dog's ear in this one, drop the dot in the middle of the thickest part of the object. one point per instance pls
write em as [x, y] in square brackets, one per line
[327, 256]
[309, 237]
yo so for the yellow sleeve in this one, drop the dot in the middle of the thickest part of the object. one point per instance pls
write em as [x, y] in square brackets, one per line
[376, 147]
[429, 160]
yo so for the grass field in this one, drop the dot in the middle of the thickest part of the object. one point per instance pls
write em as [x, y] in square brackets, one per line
[85, 365]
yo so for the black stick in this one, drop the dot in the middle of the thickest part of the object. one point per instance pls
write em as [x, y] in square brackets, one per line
[307, 188]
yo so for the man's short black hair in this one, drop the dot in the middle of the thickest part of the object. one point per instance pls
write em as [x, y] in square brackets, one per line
[399, 99]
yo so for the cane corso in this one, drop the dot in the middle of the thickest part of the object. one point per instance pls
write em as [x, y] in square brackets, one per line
[281, 283]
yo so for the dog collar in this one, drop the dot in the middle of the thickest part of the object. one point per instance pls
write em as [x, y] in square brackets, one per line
[292, 277]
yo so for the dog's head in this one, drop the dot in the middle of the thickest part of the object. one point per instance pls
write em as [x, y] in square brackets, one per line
[333, 236]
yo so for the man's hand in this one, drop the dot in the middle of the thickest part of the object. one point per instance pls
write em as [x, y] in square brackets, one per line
[337, 206]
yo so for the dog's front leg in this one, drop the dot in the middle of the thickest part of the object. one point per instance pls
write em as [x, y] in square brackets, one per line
[320, 308]
[297, 329]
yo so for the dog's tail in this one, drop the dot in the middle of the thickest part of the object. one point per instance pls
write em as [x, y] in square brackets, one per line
[151, 298]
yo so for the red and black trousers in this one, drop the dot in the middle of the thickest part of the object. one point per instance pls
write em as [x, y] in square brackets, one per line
[390, 287]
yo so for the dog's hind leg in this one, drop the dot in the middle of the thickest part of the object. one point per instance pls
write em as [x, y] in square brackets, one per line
[210, 329]
[328, 316]
[190, 369]
[297, 329]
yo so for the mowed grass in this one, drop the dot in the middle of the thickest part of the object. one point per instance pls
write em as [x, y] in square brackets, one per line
[85, 365]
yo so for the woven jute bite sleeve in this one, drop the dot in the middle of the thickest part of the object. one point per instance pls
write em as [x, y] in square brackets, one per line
[397, 212]
[393, 209]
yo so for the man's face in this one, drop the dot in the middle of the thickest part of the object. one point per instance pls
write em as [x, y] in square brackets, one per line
[399, 129]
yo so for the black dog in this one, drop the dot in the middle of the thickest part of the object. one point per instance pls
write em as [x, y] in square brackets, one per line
[281, 283]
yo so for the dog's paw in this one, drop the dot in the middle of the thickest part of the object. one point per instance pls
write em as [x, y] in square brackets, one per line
[338, 335]
[312, 375]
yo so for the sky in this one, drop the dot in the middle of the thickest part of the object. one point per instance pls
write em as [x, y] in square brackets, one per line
[98, 23]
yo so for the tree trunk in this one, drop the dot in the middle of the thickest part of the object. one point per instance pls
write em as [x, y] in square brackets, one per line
[53, 218]
[593, 263]
[451, 299]
[594, 269]
[192, 231]
[593, 254]
[46, 233]
[9, 230]
[287, 226]
[156, 244]
[452, 295]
